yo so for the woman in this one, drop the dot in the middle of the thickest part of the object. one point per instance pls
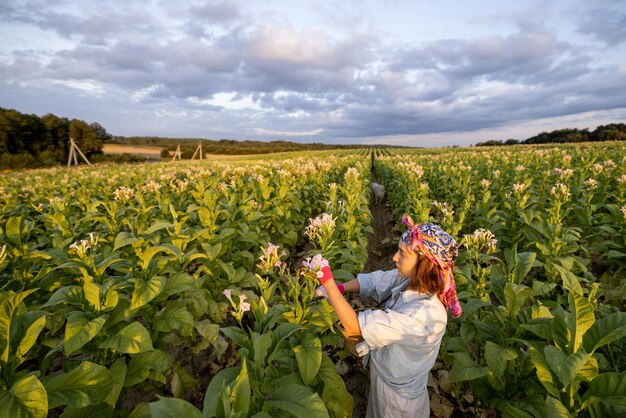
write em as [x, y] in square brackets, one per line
[402, 340]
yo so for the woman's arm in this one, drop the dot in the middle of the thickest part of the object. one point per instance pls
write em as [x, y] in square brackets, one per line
[352, 286]
[342, 308]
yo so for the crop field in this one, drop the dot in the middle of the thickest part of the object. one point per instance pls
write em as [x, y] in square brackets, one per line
[174, 289]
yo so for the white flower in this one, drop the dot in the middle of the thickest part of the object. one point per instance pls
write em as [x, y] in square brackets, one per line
[124, 193]
[484, 183]
[591, 183]
[519, 187]
[320, 274]
[244, 307]
[481, 240]
[322, 225]
[623, 208]
[560, 190]
[520, 168]
[151, 186]
[622, 179]
[228, 294]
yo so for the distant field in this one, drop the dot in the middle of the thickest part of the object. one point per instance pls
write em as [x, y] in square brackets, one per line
[153, 152]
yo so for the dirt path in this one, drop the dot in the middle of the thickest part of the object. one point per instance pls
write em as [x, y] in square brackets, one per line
[381, 244]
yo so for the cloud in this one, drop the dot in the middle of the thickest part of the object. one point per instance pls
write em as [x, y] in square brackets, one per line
[262, 131]
[227, 68]
[605, 25]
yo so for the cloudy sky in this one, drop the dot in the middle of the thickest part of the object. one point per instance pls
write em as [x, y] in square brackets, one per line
[422, 73]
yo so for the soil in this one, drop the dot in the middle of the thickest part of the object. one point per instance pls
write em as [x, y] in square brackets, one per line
[381, 246]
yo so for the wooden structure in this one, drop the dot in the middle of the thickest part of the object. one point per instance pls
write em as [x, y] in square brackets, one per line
[177, 154]
[198, 151]
[73, 150]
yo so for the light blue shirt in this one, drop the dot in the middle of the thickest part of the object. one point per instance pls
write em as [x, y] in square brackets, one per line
[402, 340]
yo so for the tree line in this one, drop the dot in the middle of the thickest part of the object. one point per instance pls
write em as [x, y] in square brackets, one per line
[228, 146]
[610, 132]
[33, 141]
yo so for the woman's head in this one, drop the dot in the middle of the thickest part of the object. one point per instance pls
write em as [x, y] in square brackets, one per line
[431, 252]
[423, 275]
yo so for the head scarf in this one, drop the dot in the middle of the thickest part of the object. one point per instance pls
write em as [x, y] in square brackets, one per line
[441, 249]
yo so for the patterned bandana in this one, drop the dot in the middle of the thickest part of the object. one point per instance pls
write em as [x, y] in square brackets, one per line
[441, 249]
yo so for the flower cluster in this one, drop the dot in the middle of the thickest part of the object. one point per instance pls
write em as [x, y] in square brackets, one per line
[222, 187]
[270, 258]
[316, 263]
[623, 209]
[561, 191]
[320, 228]
[622, 179]
[151, 186]
[484, 183]
[563, 174]
[445, 208]
[482, 241]
[591, 183]
[351, 173]
[412, 168]
[520, 168]
[124, 194]
[314, 266]
[519, 187]
[239, 309]
[82, 247]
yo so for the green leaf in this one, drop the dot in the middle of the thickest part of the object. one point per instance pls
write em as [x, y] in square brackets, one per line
[26, 399]
[87, 384]
[100, 410]
[309, 357]
[570, 281]
[542, 288]
[213, 391]
[524, 262]
[8, 305]
[142, 364]
[298, 401]
[71, 295]
[464, 368]
[173, 408]
[241, 392]
[335, 395]
[158, 226]
[175, 318]
[555, 409]
[132, 339]
[261, 344]
[93, 294]
[208, 330]
[581, 320]
[145, 291]
[605, 331]
[118, 376]
[148, 254]
[497, 358]
[123, 239]
[544, 373]
[239, 336]
[79, 330]
[25, 330]
[577, 366]
[515, 296]
[608, 385]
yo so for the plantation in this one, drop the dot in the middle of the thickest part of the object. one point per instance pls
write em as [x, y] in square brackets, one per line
[174, 289]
